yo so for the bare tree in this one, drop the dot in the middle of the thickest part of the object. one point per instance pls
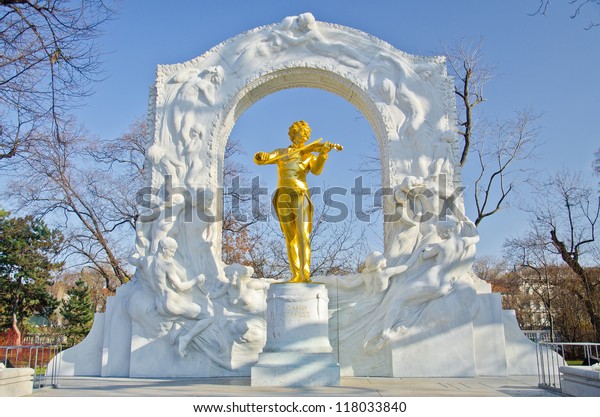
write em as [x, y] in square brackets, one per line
[126, 153]
[489, 268]
[267, 255]
[570, 316]
[578, 7]
[566, 215]
[499, 146]
[337, 246]
[123, 159]
[535, 269]
[238, 243]
[60, 179]
[237, 193]
[538, 287]
[467, 64]
[48, 61]
[515, 296]
[499, 150]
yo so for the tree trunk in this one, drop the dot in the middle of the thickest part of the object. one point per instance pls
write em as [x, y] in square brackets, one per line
[572, 260]
[15, 324]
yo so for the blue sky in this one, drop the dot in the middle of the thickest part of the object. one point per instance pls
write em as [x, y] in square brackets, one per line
[549, 63]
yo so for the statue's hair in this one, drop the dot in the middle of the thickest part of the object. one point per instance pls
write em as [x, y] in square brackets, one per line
[168, 243]
[298, 126]
[373, 260]
[218, 70]
[155, 153]
[447, 225]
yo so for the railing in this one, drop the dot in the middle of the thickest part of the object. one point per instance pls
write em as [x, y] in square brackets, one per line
[538, 335]
[33, 356]
[44, 339]
[551, 356]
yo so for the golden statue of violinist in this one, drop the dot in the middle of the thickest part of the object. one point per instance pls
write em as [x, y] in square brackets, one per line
[292, 199]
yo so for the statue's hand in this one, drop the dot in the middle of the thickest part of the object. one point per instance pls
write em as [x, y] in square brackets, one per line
[200, 280]
[261, 157]
[337, 147]
[328, 146]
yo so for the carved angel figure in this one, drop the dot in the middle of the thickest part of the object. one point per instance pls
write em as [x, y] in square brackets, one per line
[375, 276]
[431, 274]
[171, 299]
[197, 91]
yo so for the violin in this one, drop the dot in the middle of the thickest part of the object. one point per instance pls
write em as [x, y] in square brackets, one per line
[318, 146]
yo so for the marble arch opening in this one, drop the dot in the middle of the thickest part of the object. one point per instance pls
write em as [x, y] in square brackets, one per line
[307, 79]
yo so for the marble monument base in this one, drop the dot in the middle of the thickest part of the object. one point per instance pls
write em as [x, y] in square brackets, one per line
[579, 381]
[297, 352]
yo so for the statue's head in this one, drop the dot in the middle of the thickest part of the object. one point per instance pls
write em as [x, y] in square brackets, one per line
[299, 132]
[155, 154]
[197, 131]
[446, 227]
[375, 261]
[167, 247]
[236, 272]
[306, 21]
[215, 74]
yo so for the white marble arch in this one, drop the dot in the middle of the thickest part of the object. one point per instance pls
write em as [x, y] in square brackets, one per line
[422, 311]
[407, 99]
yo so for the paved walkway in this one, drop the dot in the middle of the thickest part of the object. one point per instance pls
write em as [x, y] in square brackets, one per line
[517, 386]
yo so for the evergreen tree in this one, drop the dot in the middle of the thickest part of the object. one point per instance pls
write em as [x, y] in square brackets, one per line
[78, 311]
[27, 249]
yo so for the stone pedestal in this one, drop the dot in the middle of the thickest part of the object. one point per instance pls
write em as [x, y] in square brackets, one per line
[297, 352]
[579, 381]
[16, 382]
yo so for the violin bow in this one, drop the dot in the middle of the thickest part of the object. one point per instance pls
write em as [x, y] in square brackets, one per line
[295, 151]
